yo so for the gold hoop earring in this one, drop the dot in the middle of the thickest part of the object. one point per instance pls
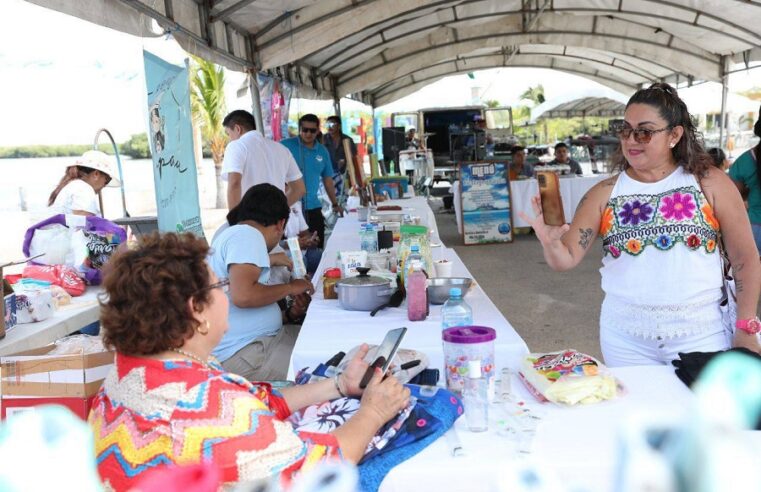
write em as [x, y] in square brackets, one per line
[206, 327]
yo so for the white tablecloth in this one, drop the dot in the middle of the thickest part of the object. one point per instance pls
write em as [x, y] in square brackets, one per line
[82, 311]
[579, 444]
[328, 329]
[572, 189]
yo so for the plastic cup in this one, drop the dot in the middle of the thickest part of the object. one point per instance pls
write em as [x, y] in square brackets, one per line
[443, 268]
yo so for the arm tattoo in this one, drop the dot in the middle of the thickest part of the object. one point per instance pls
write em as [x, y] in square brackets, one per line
[583, 199]
[738, 285]
[585, 237]
[738, 268]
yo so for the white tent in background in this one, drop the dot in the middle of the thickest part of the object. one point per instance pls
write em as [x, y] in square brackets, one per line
[590, 102]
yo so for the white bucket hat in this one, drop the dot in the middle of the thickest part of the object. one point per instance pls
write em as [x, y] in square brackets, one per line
[95, 159]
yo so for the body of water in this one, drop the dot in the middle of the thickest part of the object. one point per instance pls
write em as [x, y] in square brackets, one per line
[26, 184]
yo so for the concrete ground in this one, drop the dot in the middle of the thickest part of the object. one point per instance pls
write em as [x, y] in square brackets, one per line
[550, 310]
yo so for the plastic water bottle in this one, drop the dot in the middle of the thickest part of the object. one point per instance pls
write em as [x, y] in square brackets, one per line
[368, 238]
[417, 297]
[476, 398]
[456, 311]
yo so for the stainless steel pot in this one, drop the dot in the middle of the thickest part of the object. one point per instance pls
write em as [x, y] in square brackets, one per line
[364, 293]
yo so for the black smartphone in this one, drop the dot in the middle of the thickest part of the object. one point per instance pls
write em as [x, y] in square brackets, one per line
[384, 354]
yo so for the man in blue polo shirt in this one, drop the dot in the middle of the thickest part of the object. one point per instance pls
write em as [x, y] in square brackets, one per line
[314, 162]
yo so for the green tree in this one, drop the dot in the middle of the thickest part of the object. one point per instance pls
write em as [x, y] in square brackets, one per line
[209, 109]
[534, 94]
[137, 147]
[491, 103]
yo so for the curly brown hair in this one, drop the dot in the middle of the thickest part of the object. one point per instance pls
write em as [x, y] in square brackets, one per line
[689, 151]
[144, 309]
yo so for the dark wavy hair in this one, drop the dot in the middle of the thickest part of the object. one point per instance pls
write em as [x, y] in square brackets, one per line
[689, 151]
[264, 203]
[144, 309]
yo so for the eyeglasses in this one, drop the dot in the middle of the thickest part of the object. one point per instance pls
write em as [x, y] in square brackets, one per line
[641, 135]
[108, 179]
[309, 130]
[223, 284]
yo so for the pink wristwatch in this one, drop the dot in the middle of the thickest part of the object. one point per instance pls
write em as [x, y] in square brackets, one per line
[750, 326]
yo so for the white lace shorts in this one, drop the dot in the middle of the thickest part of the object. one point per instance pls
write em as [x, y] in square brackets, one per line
[632, 334]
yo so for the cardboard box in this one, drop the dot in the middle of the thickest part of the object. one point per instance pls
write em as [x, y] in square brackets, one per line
[36, 374]
[11, 406]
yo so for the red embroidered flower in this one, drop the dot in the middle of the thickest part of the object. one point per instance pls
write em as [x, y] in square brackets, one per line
[693, 241]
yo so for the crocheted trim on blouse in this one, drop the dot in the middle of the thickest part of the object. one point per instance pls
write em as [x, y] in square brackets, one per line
[700, 316]
[631, 223]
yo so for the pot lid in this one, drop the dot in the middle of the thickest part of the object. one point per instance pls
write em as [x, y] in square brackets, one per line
[363, 279]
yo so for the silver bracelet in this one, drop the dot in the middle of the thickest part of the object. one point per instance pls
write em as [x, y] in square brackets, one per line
[338, 387]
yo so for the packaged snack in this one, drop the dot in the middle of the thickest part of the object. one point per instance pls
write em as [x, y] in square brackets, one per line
[567, 377]
[350, 260]
[299, 269]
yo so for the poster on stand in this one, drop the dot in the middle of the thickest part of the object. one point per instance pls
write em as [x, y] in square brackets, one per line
[485, 203]
[275, 98]
[171, 138]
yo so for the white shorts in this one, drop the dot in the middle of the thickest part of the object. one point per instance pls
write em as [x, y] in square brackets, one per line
[640, 334]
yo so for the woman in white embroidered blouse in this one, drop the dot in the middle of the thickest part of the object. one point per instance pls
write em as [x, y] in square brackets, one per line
[661, 220]
[77, 191]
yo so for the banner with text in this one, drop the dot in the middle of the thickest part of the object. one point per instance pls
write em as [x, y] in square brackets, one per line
[171, 136]
[485, 203]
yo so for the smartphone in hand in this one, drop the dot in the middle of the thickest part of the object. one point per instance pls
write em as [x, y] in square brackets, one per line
[384, 354]
[552, 203]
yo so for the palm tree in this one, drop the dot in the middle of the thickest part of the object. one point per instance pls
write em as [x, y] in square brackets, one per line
[208, 106]
[534, 94]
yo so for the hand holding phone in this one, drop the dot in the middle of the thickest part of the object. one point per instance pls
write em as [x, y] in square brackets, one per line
[384, 354]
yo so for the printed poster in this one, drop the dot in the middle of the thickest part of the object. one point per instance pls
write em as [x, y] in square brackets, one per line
[275, 99]
[171, 138]
[485, 202]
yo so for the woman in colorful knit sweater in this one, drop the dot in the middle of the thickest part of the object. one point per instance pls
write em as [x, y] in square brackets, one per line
[166, 402]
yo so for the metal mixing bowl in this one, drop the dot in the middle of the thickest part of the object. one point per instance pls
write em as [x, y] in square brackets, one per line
[438, 288]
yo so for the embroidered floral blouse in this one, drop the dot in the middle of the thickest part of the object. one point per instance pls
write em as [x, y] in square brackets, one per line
[659, 241]
[152, 413]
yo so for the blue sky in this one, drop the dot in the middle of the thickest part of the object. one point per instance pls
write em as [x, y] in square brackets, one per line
[61, 87]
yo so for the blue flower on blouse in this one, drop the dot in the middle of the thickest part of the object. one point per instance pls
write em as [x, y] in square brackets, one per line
[663, 242]
[635, 212]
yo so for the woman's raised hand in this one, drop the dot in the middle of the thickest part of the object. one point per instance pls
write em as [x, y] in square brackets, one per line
[546, 234]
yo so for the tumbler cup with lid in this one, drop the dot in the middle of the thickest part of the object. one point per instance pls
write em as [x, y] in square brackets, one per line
[467, 343]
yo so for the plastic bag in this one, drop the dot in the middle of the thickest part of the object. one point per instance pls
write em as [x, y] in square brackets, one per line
[78, 344]
[34, 301]
[61, 275]
[92, 241]
[567, 377]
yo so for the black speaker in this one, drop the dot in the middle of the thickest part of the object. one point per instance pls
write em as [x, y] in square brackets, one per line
[394, 140]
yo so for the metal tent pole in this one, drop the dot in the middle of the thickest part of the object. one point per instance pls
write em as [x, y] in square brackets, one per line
[118, 167]
[724, 92]
[256, 103]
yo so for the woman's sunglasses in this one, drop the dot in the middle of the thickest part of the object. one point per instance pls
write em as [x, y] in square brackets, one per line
[641, 135]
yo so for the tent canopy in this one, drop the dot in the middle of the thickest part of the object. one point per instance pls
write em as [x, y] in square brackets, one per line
[381, 50]
[590, 102]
